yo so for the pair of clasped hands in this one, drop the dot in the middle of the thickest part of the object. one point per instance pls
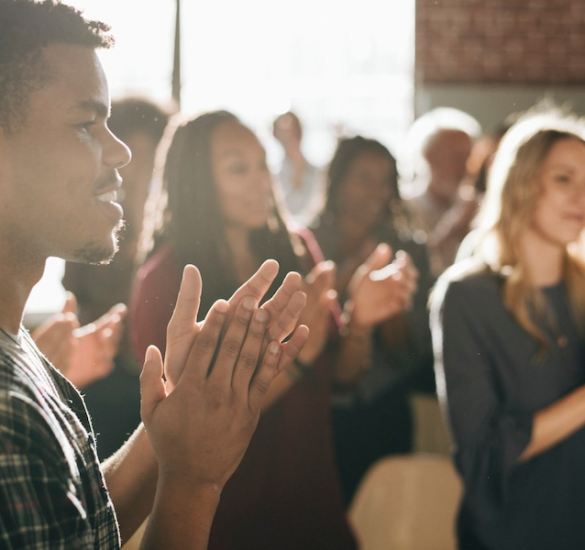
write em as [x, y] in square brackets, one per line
[205, 396]
[375, 290]
[219, 370]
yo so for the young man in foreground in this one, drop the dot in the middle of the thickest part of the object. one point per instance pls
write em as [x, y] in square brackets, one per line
[58, 180]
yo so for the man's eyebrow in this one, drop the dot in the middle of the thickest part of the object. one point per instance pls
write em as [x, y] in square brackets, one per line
[100, 108]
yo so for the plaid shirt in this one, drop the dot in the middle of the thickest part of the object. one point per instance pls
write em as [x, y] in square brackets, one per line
[52, 491]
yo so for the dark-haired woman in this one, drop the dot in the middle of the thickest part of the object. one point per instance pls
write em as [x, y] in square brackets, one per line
[363, 209]
[222, 217]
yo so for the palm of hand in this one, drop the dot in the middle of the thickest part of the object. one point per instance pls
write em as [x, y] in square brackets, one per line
[95, 347]
[378, 291]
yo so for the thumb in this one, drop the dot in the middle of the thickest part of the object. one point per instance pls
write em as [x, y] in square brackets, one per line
[152, 386]
[70, 305]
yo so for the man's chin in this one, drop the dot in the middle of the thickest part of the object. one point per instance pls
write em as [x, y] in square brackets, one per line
[95, 254]
[99, 253]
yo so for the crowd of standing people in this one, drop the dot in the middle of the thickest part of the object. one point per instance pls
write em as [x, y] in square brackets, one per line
[282, 366]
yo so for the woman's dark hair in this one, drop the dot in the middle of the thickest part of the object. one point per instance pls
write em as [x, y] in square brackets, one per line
[395, 217]
[193, 220]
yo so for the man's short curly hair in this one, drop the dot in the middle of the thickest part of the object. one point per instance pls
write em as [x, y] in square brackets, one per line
[26, 27]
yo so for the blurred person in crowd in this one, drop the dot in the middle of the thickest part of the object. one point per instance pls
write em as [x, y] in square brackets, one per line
[509, 340]
[299, 182]
[478, 167]
[221, 214]
[363, 209]
[482, 155]
[439, 144]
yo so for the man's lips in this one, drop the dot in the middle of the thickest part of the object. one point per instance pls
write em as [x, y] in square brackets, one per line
[106, 189]
[108, 196]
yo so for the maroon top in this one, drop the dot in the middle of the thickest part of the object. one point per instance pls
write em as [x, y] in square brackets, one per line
[285, 494]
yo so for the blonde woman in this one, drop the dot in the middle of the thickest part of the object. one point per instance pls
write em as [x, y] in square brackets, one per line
[510, 347]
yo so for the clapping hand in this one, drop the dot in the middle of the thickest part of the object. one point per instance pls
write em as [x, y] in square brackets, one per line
[318, 285]
[284, 309]
[83, 354]
[379, 290]
[201, 420]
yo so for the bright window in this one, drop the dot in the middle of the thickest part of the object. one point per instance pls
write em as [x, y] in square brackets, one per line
[342, 66]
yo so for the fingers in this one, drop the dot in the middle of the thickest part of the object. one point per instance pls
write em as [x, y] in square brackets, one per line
[399, 289]
[319, 281]
[203, 350]
[188, 301]
[251, 350]
[61, 344]
[401, 269]
[52, 333]
[291, 348]
[322, 269]
[264, 376]
[113, 316]
[258, 284]
[288, 317]
[324, 284]
[377, 260]
[70, 305]
[182, 328]
[109, 324]
[241, 341]
[379, 257]
[285, 307]
[108, 342]
[408, 274]
[55, 338]
[152, 387]
[404, 260]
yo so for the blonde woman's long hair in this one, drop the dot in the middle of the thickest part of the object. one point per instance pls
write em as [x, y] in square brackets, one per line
[513, 191]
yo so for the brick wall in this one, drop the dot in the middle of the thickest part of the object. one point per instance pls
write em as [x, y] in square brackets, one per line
[500, 41]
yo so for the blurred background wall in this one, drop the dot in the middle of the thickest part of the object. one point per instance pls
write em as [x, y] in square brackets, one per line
[367, 67]
[494, 57]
